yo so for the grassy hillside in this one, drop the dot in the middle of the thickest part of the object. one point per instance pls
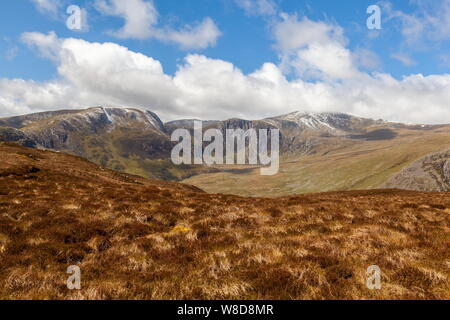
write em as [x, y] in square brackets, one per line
[146, 239]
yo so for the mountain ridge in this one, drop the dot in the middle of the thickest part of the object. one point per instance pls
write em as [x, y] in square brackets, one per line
[137, 142]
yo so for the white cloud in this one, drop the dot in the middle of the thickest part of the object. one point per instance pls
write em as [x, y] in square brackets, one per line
[141, 22]
[429, 22]
[140, 17]
[314, 50]
[91, 74]
[202, 35]
[48, 45]
[11, 53]
[258, 7]
[437, 18]
[292, 33]
[404, 58]
[366, 59]
[48, 6]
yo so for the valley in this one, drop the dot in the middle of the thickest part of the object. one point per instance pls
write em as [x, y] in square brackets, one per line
[347, 165]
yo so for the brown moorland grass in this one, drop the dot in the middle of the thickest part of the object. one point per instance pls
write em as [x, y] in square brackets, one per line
[145, 239]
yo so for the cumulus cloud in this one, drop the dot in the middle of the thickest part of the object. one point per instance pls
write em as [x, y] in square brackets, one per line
[199, 36]
[48, 45]
[91, 74]
[141, 22]
[258, 7]
[140, 17]
[314, 50]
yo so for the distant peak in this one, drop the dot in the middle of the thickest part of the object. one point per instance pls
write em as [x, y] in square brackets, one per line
[122, 115]
[319, 120]
[315, 114]
[116, 108]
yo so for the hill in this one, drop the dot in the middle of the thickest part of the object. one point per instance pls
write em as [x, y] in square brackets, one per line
[147, 239]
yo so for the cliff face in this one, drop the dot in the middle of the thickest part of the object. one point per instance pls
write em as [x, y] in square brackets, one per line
[300, 133]
[431, 173]
[14, 135]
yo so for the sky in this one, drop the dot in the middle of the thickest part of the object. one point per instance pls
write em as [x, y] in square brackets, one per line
[219, 59]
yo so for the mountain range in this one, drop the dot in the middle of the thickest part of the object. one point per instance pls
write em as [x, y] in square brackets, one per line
[319, 151]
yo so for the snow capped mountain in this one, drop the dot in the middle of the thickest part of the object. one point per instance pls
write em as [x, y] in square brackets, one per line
[92, 118]
[101, 134]
[122, 117]
[326, 121]
[311, 120]
[111, 117]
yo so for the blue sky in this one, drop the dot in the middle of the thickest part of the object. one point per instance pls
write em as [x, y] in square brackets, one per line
[246, 40]
[414, 40]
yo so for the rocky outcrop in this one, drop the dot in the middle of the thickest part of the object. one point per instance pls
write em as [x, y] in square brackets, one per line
[431, 173]
[15, 135]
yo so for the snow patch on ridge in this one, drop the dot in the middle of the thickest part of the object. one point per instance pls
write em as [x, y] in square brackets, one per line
[121, 116]
[314, 120]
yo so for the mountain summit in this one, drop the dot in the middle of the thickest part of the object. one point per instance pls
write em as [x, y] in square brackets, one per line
[331, 122]
[92, 117]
